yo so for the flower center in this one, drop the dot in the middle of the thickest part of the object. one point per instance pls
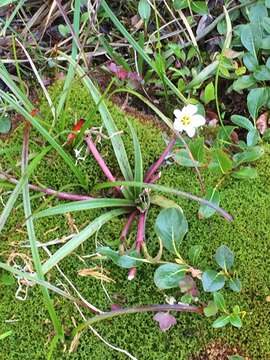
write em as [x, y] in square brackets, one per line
[186, 120]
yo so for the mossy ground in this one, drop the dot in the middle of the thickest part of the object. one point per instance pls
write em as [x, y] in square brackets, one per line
[248, 236]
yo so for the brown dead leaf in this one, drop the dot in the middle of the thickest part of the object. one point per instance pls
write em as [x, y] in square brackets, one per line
[262, 122]
[97, 273]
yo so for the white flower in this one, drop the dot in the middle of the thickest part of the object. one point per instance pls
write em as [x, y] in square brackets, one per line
[188, 120]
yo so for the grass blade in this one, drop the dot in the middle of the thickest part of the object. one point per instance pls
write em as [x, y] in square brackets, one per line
[108, 121]
[167, 190]
[17, 190]
[68, 160]
[138, 171]
[78, 239]
[32, 236]
[140, 51]
[84, 205]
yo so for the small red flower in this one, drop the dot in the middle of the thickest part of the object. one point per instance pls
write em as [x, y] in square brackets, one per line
[76, 128]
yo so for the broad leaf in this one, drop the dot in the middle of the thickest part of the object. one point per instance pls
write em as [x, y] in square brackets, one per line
[249, 155]
[221, 321]
[242, 121]
[5, 124]
[219, 301]
[250, 61]
[245, 173]
[205, 211]
[253, 137]
[168, 276]
[182, 157]
[262, 73]
[243, 82]
[234, 284]
[212, 281]
[171, 226]
[221, 163]
[255, 100]
[236, 321]
[211, 309]
[224, 257]
[144, 10]
[126, 261]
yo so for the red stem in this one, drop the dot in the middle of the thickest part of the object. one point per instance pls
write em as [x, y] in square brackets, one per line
[100, 161]
[48, 191]
[127, 226]
[153, 169]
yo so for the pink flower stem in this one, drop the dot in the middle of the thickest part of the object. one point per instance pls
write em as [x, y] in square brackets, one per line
[139, 241]
[100, 161]
[153, 169]
[47, 191]
[127, 226]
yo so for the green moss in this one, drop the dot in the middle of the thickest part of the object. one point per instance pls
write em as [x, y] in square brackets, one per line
[248, 236]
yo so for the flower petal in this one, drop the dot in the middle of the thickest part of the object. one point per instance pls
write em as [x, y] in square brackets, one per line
[198, 120]
[165, 320]
[178, 126]
[189, 109]
[190, 131]
[177, 113]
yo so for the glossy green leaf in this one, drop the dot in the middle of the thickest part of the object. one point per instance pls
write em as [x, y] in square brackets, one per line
[245, 173]
[221, 321]
[144, 10]
[126, 261]
[249, 39]
[171, 226]
[234, 284]
[253, 137]
[249, 155]
[212, 281]
[242, 121]
[168, 276]
[211, 309]
[182, 157]
[221, 163]
[205, 211]
[224, 257]
[209, 93]
[244, 82]
[250, 61]
[5, 124]
[255, 100]
[219, 301]
[236, 321]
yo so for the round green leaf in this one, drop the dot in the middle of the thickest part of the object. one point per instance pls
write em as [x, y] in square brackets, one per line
[224, 257]
[212, 281]
[144, 10]
[171, 226]
[234, 285]
[5, 124]
[168, 276]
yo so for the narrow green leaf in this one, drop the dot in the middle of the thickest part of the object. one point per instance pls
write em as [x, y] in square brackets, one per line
[84, 205]
[79, 238]
[255, 100]
[138, 172]
[236, 321]
[234, 284]
[209, 93]
[242, 121]
[219, 301]
[221, 321]
[144, 10]
[245, 173]
[249, 155]
[126, 261]
[68, 160]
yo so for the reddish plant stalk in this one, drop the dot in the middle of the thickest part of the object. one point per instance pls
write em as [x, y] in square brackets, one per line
[153, 169]
[127, 226]
[139, 241]
[58, 194]
[93, 149]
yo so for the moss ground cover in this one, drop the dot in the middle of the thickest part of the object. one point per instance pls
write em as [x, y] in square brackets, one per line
[248, 236]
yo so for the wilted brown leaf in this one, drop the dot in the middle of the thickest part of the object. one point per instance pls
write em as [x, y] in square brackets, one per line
[97, 273]
[262, 122]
